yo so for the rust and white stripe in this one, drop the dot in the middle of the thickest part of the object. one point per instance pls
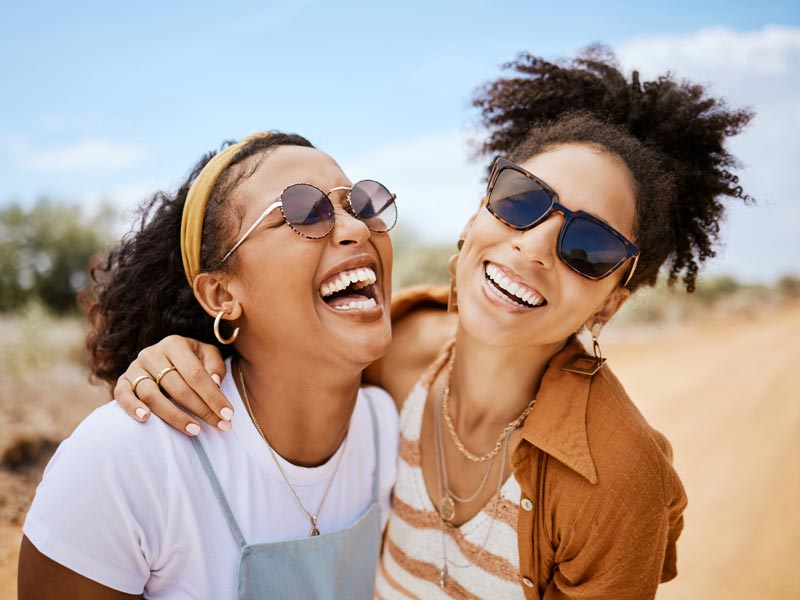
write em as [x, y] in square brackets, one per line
[412, 554]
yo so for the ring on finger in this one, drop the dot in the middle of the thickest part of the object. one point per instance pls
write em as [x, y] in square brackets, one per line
[163, 372]
[137, 381]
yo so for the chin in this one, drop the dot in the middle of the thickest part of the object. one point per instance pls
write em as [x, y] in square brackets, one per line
[488, 327]
[364, 345]
[377, 344]
[487, 333]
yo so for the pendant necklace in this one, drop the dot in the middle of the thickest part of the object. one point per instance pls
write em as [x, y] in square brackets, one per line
[447, 505]
[313, 518]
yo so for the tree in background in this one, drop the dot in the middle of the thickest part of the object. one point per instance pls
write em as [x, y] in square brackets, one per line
[417, 262]
[45, 252]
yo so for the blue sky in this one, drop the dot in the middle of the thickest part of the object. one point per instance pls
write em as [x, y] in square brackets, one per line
[112, 101]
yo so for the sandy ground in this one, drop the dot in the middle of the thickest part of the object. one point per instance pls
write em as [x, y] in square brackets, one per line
[723, 393]
[725, 396]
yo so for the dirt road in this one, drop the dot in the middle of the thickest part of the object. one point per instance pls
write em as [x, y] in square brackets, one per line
[727, 396]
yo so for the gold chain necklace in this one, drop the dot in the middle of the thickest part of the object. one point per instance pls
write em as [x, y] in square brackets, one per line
[313, 518]
[444, 495]
[452, 429]
[447, 497]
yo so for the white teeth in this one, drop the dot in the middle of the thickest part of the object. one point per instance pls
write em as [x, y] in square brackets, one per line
[362, 276]
[362, 305]
[512, 287]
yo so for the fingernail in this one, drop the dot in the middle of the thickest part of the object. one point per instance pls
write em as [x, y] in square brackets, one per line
[141, 413]
[226, 413]
[192, 429]
[224, 425]
[216, 378]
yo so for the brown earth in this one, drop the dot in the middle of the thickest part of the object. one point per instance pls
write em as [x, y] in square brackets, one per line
[724, 394]
[721, 390]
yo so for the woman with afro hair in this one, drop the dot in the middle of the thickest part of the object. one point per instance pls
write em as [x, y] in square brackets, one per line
[525, 470]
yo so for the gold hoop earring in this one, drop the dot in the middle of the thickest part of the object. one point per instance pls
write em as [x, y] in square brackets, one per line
[582, 363]
[217, 334]
[452, 296]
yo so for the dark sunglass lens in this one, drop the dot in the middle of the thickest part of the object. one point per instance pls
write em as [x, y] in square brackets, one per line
[374, 204]
[590, 248]
[308, 210]
[518, 200]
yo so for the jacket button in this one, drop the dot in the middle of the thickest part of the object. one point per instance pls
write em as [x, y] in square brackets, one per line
[527, 505]
[527, 582]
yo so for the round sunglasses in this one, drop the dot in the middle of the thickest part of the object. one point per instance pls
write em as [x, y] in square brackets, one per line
[310, 213]
[587, 245]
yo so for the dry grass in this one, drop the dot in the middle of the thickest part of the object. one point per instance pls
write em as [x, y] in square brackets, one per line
[44, 394]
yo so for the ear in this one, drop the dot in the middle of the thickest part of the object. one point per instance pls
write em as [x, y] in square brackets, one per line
[609, 308]
[213, 293]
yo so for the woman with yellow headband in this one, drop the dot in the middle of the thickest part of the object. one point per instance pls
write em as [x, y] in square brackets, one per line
[525, 470]
[271, 235]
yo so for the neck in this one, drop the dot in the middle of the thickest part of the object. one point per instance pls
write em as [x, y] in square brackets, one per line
[304, 416]
[492, 385]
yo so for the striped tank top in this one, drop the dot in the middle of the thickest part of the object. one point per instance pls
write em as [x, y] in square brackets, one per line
[412, 556]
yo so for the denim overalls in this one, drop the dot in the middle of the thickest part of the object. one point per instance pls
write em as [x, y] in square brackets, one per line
[334, 565]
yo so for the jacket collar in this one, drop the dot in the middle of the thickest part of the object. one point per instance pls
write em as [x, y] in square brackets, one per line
[557, 423]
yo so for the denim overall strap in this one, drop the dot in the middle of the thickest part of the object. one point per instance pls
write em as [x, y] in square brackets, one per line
[376, 441]
[332, 566]
[223, 502]
[336, 565]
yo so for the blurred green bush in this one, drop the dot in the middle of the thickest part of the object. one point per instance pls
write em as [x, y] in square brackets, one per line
[417, 262]
[45, 252]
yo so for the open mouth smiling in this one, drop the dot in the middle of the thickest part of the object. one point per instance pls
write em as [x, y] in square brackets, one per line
[512, 290]
[350, 290]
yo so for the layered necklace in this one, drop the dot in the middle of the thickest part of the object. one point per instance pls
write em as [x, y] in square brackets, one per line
[452, 429]
[448, 498]
[312, 517]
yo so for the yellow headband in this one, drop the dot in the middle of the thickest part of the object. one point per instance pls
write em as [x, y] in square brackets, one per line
[194, 210]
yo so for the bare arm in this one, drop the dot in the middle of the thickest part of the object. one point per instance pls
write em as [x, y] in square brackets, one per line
[417, 339]
[421, 327]
[40, 578]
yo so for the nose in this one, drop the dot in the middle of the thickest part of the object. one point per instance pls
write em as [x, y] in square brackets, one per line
[348, 229]
[539, 243]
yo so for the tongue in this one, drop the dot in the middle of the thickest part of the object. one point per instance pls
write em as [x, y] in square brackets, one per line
[345, 300]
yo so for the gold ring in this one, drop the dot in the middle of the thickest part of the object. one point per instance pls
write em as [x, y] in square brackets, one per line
[163, 372]
[137, 381]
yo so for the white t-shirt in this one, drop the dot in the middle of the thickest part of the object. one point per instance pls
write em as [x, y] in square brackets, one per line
[128, 504]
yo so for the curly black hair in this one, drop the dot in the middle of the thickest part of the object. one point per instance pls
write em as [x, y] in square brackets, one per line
[670, 134]
[140, 293]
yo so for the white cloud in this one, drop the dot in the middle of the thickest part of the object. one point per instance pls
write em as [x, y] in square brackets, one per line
[761, 70]
[771, 51]
[82, 155]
